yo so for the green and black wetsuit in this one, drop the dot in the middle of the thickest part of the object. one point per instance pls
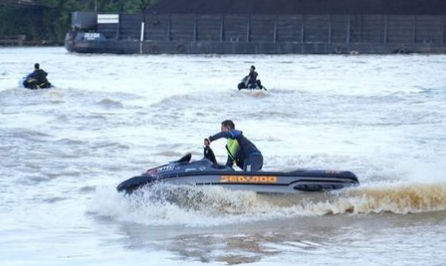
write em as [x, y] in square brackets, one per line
[241, 151]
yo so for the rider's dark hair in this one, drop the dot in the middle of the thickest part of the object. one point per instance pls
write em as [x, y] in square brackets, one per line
[253, 67]
[228, 123]
[36, 66]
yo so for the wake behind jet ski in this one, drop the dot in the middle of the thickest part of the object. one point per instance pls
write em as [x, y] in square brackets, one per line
[206, 172]
[36, 79]
[250, 82]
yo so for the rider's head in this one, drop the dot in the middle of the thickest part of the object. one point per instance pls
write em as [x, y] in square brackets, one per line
[227, 125]
[36, 66]
[252, 68]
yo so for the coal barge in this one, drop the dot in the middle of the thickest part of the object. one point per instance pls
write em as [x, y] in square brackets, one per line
[265, 27]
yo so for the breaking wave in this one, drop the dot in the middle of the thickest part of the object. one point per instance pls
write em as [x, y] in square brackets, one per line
[109, 103]
[207, 206]
[395, 198]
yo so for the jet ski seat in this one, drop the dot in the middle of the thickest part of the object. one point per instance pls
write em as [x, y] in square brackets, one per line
[222, 167]
[185, 159]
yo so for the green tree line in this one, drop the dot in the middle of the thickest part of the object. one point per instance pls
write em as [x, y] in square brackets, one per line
[51, 20]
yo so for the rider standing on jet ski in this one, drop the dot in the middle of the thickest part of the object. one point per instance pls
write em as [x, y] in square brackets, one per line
[37, 79]
[240, 150]
[250, 81]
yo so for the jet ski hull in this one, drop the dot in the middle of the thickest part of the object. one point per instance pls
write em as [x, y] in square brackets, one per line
[26, 85]
[273, 182]
[204, 173]
[243, 85]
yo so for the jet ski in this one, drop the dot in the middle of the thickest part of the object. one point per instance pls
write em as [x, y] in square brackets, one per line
[206, 172]
[30, 83]
[244, 85]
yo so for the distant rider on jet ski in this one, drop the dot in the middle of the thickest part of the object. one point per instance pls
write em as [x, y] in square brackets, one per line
[250, 81]
[241, 151]
[37, 79]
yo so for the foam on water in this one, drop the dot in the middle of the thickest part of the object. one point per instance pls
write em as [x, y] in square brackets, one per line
[64, 150]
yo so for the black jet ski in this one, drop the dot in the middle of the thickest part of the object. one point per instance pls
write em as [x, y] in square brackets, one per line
[206, 172]
[32, 84]
[243, 85]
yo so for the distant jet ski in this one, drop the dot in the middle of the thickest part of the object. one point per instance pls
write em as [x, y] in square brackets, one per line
[32, 84]
[244, 85]
[206, 172]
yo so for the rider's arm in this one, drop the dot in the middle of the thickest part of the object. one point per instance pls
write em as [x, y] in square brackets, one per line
[220, 135]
